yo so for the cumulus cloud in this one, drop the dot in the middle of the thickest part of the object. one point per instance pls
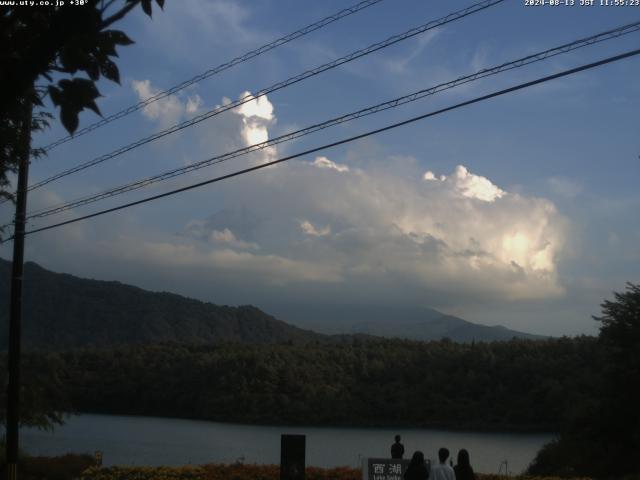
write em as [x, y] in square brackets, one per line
[469, 185]
[259, 107]
[403, 234]
[169, 110]
[223, 237]
[257, 115]
[310, 229]
[324, 162]
[461, 235]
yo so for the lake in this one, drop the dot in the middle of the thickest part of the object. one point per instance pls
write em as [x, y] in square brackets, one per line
[130, 440]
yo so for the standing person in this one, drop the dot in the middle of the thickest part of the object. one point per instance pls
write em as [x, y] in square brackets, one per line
[397, 449]
[417, 470]
[463, 468]
[442, 471]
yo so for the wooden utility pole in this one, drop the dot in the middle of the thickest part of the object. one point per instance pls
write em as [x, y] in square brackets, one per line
[15, 309]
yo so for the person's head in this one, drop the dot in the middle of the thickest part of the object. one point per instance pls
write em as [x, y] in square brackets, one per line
[463, 458]
[443, 454]
[397, 438]
[417, 459]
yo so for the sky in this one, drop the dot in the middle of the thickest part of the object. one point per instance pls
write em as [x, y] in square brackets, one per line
[519, 211]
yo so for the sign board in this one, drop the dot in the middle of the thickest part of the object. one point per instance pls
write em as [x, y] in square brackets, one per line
[292, 457]
[384, 468]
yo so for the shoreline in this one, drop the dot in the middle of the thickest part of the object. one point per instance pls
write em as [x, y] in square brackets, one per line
[444, 427]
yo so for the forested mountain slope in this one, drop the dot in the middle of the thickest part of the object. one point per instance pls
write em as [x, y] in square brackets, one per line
[64, 311]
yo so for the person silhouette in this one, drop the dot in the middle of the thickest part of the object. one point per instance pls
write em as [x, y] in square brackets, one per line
[463, 468]
[417, 470]
[442, 471]
[397, 449]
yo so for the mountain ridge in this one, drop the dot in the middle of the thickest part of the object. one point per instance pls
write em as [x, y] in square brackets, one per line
[404, 322]
[65, 311]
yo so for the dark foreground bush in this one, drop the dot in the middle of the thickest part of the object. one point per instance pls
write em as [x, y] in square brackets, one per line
[240, 472]
[66, 467]
[551, 460]
[216, 472]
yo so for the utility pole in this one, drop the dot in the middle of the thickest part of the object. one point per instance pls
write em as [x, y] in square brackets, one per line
[15, 309]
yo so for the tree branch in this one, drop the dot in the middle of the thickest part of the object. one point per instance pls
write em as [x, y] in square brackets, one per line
[119, 15]
[104, 7]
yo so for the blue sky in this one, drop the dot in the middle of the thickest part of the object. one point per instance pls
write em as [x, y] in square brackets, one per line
[520, 211]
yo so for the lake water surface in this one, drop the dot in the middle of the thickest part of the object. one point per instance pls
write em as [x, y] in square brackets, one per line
[129, 440]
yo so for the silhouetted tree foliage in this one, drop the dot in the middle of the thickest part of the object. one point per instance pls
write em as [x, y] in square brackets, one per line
[602, 436]
[520, 384]
[52, 46]
[43, 396]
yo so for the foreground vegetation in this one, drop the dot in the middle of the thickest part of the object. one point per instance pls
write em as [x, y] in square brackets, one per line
[239, 472]
[521, 384]
[82, 467]
[586, 387]
[65, 467]
[601, 437]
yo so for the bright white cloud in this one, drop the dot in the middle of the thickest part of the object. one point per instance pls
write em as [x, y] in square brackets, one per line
[324, 162]
[257, 115]
[259, 107]
[387, 226]
[459, 235]
[468, 184]
[428, 175]
[254, 133]
[475, 186]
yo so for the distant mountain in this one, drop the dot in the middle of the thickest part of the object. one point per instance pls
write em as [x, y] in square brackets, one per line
[413, 323]
[64, 311]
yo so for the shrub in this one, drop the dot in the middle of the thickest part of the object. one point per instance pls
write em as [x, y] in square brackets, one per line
[66, 467]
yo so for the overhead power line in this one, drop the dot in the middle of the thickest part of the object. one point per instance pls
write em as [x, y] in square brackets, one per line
[476, 7]
[214, 71]
[527, 60]
[346, 140]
